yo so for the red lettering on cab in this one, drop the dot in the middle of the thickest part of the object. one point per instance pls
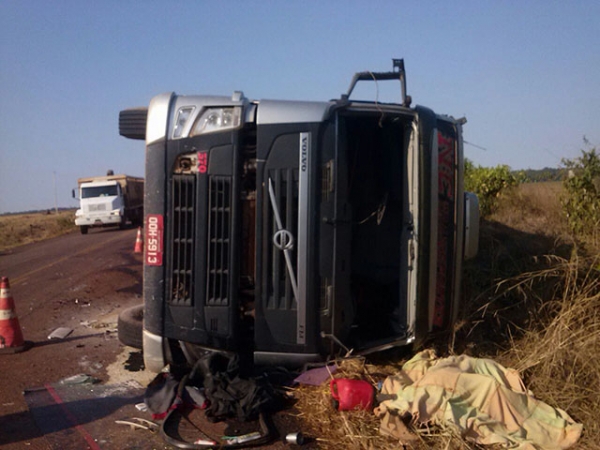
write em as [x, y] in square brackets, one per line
[202, 162]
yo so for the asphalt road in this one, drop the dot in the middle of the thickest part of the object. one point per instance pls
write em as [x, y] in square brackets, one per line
[82, 283]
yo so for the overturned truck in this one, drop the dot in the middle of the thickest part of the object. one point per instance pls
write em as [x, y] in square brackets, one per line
[290, 231]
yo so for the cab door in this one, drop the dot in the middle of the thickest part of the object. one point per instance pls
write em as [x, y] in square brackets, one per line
[336, 308]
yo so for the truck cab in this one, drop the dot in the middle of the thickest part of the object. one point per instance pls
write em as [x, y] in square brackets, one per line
[111, 200]
[100, 205]
[292, 231]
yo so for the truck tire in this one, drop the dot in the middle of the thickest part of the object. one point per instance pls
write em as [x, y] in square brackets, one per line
[83, 229]
[132, 123]
[129, 326]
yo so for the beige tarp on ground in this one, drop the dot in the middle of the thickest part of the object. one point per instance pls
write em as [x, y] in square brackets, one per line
[485, 402]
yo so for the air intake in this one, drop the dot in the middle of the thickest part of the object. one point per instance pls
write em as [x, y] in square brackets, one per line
[183, 226]
[219, 235]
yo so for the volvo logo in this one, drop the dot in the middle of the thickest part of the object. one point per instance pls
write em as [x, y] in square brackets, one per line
[283, 240]
[304, 153]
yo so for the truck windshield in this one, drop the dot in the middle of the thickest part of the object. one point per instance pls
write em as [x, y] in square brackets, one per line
[99, 191]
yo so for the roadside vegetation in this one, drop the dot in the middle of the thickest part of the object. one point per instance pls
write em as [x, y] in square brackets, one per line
[581, 200]
[531, 303]
[24, 228]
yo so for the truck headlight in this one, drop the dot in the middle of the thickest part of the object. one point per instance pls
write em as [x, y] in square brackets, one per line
[182, 117]
[217, 119]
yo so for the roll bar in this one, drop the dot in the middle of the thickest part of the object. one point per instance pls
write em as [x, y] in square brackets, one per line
[398, 73]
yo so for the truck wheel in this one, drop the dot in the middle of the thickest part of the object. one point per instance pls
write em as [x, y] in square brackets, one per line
[129, 326]
[132, 123]
[83, 229]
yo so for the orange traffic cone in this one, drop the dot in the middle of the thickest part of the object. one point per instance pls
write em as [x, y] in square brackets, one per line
[11, 337]
[139, 244]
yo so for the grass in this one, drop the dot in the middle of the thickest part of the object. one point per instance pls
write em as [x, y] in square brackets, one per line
[20, 229]
[531, 301]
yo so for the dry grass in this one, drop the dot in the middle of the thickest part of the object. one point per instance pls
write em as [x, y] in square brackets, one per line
[534, 208]
[19, 229]
[536, 303]
[559, 356]
[531, 302]
[337, 430]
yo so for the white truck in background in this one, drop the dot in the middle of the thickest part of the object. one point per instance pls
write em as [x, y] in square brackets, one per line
[111, 200]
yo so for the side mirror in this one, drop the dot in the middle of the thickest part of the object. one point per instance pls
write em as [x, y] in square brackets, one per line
[73, 192]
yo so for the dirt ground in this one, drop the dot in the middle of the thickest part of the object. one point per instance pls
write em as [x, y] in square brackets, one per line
[80, 283]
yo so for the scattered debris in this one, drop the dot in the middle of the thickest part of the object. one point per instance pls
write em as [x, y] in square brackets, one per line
[230, 440]
[295, 438]
[216, 386]
[60, 333]
[82, 303]
[120, 389]
[316, 377]
[205, 442]
[140, 423]
[81, 378]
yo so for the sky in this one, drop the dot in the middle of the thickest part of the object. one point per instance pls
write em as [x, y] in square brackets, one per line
[525, 74]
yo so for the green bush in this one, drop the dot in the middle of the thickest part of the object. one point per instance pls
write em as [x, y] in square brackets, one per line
[489, 183]
[581, 200]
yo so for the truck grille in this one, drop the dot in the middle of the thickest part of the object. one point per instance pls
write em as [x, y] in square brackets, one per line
[98, 207]
[183, 228]
[219, 235]
[285, 185]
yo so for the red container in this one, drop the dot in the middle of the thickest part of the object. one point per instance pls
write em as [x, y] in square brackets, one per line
[351, 394]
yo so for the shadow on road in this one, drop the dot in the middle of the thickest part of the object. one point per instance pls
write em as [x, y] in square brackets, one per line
[60, 412]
